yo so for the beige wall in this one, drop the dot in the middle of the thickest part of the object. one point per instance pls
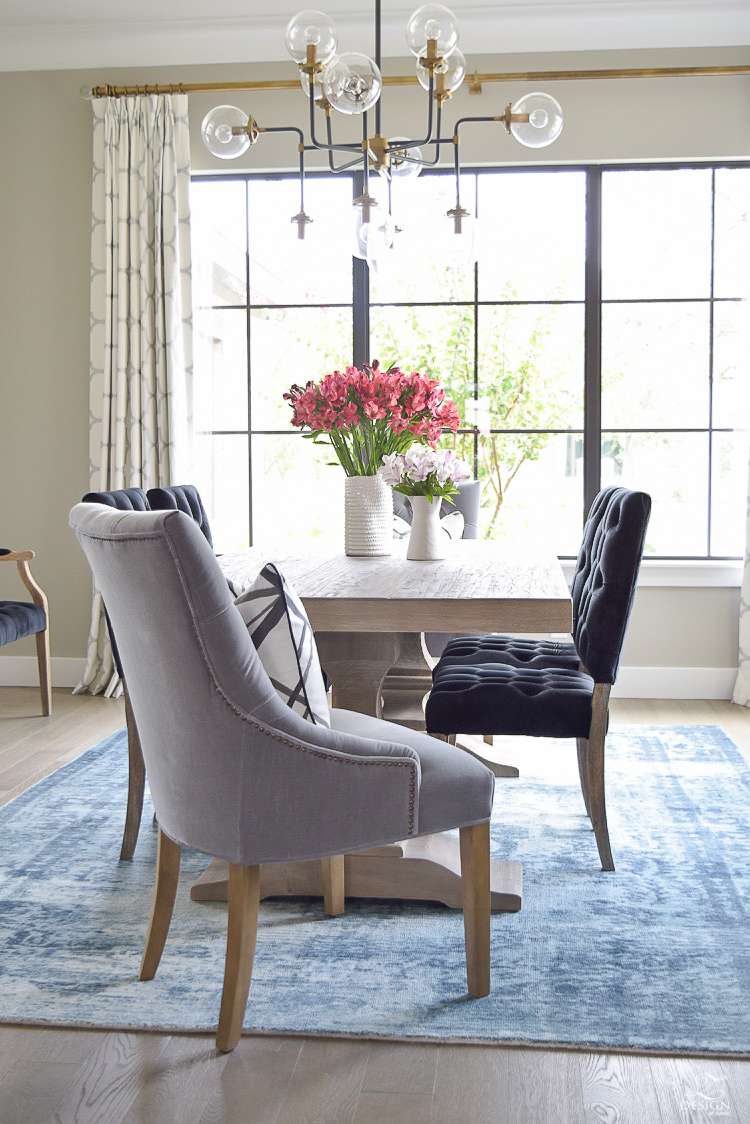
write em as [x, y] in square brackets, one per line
[45, 174]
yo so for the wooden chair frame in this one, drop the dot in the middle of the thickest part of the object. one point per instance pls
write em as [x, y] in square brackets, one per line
[38, 596]
[242, 920]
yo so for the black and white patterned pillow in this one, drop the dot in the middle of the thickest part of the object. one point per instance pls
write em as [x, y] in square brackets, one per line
[279, 629]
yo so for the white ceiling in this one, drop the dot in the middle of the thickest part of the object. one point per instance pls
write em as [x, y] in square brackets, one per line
[84, 34]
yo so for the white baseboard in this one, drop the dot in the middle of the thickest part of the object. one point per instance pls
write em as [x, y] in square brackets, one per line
[632, 682]
[675, 683]
[23, 671]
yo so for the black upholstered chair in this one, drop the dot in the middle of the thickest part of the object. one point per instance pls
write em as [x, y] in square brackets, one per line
[515, 651]
[181, 497]
[127, 499]
[28, 618]
[474, 693]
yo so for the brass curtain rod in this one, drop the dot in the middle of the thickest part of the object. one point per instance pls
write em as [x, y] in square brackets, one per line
[476, 80]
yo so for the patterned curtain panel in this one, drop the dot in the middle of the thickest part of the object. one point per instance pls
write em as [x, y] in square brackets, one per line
[141, 313]
[742, 684]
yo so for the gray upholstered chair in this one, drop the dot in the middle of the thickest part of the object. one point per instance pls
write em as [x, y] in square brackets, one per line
[238, 775]
[28, 618]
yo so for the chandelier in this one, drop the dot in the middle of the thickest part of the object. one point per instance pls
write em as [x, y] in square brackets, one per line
[351, 85]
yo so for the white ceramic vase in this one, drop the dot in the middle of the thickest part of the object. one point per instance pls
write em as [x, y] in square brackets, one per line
[427, 540]
[368, 516]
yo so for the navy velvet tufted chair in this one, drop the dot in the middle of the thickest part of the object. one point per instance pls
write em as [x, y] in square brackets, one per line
[28, 618]
[181, 497]
[475, 693]
[127, 499]
[494, 647]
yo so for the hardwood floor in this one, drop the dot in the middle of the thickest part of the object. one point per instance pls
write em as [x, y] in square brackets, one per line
[115, 1078]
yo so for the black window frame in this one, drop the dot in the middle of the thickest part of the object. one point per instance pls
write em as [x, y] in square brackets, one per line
[593, 303]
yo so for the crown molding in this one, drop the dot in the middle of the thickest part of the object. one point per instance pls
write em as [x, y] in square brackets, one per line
[77, 43]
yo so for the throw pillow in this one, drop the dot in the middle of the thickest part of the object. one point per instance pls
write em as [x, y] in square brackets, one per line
[279, 629]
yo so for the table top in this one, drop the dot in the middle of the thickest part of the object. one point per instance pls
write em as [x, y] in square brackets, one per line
[480, 586]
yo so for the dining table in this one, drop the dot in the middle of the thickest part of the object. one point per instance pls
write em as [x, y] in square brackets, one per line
[369, 614]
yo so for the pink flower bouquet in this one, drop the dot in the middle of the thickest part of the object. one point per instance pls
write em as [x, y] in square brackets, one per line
[369, 414]
[424, 472]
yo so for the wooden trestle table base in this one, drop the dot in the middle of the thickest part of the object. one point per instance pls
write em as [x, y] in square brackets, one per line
[367, 613]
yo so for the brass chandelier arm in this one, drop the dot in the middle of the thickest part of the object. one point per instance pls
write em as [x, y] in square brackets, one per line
[111, 91]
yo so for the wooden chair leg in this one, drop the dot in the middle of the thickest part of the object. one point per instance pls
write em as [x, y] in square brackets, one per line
[595, 754]
[475, 884]
[333, 885]
[165, 892]
[583, 771]
[242, 927]
[45, 678]
[136, 783]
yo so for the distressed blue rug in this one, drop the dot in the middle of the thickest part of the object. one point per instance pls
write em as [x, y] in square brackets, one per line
[653, 957]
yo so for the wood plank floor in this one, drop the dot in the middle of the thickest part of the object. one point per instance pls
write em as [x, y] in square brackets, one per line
[82, 1077]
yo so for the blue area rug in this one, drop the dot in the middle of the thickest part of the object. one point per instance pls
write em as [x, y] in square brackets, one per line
[653, 957]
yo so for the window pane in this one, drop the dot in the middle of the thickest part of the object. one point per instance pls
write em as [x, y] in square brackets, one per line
[655, 365]
[528, 491]
[731, 398]
[532, 235]
[220, 363]
[531, 366]
[729, 493]
[217, 218]
[287, 270]
[435, 341]
[673, 469]
[297, 492]
[221, 477]
[656, 234]
[732, 239]
[418, 267]
[289, 346]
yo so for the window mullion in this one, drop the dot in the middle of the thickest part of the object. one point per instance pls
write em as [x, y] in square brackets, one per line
[360, 297]
[592, 396]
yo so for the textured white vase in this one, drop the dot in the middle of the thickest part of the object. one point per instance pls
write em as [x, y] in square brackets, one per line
[368, 516]
[427, 540]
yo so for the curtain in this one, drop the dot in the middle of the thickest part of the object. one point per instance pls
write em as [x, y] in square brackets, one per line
[741, 693]
[141, 314]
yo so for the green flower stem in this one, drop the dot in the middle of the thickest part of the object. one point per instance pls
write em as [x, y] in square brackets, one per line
[360, 450]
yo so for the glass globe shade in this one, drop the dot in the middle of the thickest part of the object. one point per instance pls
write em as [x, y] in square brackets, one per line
[460, 250]
[453, 70]
[374, 237]
[352, 83]
[217, 135]
[400, 168]
[432, 21]
[544, 124]
[311, 29]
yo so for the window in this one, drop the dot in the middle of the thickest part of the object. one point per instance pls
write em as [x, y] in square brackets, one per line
[602, 337]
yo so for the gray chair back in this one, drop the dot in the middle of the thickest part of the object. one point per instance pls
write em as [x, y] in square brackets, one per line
[466, 501]
[232, 770]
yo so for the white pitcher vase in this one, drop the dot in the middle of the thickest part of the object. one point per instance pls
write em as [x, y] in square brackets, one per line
[368, 516]
[427, 540]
